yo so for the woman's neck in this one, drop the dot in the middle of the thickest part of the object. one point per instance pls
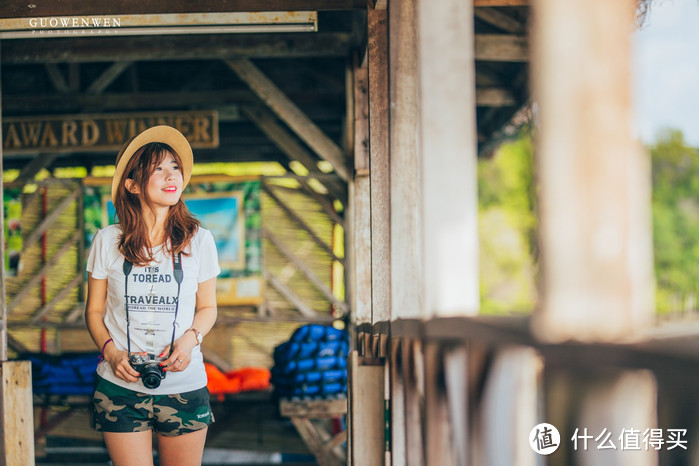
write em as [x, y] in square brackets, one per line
[155, 224]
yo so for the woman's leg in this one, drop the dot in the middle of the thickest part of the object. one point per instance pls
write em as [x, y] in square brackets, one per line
[130, 448]
[182, 450]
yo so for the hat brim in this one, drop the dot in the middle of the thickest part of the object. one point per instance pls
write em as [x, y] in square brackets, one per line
[164, 134]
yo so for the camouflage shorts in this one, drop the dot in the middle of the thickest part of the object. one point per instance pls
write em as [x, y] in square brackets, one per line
[118, 409]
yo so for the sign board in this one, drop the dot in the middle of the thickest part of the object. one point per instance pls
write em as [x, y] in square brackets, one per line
[101, 133]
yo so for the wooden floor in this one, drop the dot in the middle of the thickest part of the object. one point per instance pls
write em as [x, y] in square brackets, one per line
[248, 430]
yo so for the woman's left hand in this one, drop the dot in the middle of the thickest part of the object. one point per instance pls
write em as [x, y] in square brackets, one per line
[181, 355]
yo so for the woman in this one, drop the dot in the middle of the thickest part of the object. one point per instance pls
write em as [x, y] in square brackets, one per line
[151, 300]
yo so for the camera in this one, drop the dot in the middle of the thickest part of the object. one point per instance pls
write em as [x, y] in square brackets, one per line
[149, 367]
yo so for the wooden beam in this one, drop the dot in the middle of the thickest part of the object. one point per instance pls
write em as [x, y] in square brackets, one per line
[379, 165]
[595, 232]
[290, 114]
[174, 47]
[107, 77]
[299, 222]
[448, 154]
[500, 20]
[20, 8]
[289, 295]
[39, 162]
[501, 47]
[497, 3]
[307, 272]
[317, 103]
[56, 77]
[407, 299]
[74, 77]
[495, 97]
[267, 123]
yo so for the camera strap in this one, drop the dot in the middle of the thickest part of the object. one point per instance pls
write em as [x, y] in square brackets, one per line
[177, 273]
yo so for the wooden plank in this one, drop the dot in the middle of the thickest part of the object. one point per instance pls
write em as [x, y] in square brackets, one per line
[414, 383]
[397, 403]
[36, 278]
[456, 382]
[439, 444]
[510, 399]
[299, 221]
[380, 183]
[289, 295]
[366, 384]
[316, 409]
[360, 115]
[288, 112]
[56, 77]
[360, 250]
[305, 270]
[17, 436]
[501, 47]
[406, 202]
[173, 47]
[107, 77]
[448, 152]
[500, 20]
[19, 9]
[594, 178]
[613, 400]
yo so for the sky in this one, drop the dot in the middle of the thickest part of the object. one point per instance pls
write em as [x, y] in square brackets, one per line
[666, 71]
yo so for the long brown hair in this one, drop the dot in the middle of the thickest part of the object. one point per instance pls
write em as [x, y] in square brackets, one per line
[180, 225]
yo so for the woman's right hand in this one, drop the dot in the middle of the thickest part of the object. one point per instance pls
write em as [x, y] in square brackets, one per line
[119, 361]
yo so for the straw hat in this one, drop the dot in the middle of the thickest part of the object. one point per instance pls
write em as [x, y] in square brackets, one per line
[163, 134]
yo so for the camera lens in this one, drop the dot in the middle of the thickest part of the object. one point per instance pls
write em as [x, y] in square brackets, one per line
[151, 377]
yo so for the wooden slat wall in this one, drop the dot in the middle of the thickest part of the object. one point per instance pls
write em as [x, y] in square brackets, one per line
[302, 245]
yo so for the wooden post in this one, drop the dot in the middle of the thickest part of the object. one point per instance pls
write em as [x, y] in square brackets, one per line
[406, 203]
[366, 411]
[377, 21]
[447, 106]
[17, 435]
[360, 204]
[595, 228]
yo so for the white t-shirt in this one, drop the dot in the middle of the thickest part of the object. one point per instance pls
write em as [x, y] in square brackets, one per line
[152, 296]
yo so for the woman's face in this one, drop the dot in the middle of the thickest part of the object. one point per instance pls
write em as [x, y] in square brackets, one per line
[165, 183]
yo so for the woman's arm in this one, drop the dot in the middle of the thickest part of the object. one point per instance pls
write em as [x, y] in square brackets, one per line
[204, 319]
[94, 317]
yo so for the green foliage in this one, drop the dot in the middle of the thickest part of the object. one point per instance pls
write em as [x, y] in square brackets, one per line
[507, 229]
[675, 220]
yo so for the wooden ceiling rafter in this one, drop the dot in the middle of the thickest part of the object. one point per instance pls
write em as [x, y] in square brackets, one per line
[182, 47]
[291, 115]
